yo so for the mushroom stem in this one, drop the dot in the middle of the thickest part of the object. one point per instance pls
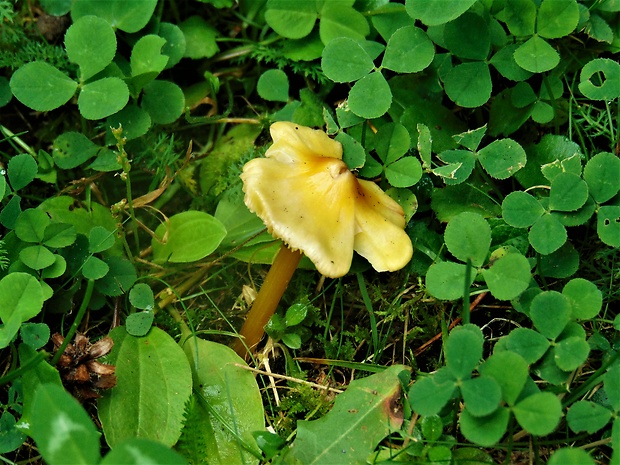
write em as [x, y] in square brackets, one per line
[267, 300]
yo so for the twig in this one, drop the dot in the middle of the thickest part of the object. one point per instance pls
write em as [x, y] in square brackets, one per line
[288, 378]
[426, 345]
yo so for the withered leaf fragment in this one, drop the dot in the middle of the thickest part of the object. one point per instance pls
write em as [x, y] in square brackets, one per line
[79, 370]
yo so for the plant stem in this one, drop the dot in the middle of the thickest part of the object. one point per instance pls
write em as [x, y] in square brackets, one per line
[466, 310]
[78, 319]
[267, 300]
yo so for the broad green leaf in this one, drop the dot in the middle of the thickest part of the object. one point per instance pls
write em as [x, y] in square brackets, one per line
[435, 13]
[471, 456]
[424, 145]
[36, 257]
[119, 279]
[521, 210]
[462, 42]
[539, 414]
[341, 20]
[91, 43]
[21, 298]
[463, 350]
[570, 165]
[571, 353]
[510, 371]
[523, 95]
[199, 38]
[608, 225]
[420, 109]
[10, 212]
[460, 164]
[11, 438]
[56, 269]
[520, 17]
[409, 50]
[361, 417]
[354, 154]
[71, 149]
[138, 451]
[469, 84]
[562, 263]
[35, 335]
[430, 394]
[392, 141]
[471, 139]
[134, 120]
[371, 96]
[404, 172]
[606, 87]
[234, 407]
[446, 280]
[175, 45]
[504, 62]
[65, 209]
[612, 386]
[102, 98]
[128, 17]
[502, 158]
[536, 55]
[390, 20]
[568, 192]
[453, 200]
[100, 239]
[62, 429]
[164, 101]
[508, 276]
[154, 383]
[571, 456]
[293, 20]
[547, 234]
[406, 199]
[296, 313]
[484, 431]
[56, 7]
[557, 18]
[468, 237]
[30, 225]
[141, 296]
[147, 61]
[550, 311]
[41, 373]
[432, 427]
[577, 217]
[146, 55]
[482, 395]
[529, 344]
[95, 268]
[345, 60]
[21, 170]
[273, 85]
[5, 91]
[548, 370]
[602, 173]
[550, 149]
[542, 112]
[586, 299]
[41, 86]
[139, 324]
[346, 118]
[187, 237]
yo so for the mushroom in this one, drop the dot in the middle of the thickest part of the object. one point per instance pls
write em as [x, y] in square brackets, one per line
[307, 197]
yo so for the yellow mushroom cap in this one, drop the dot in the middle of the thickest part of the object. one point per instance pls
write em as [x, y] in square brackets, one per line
[306, 196]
